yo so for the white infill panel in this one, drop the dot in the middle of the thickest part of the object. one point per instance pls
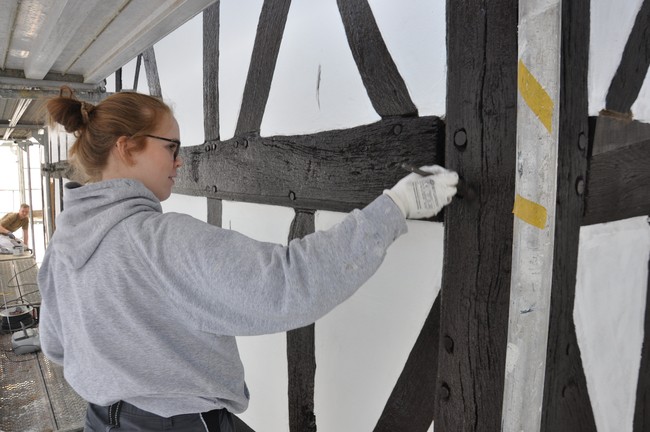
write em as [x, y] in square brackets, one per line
[534, 211]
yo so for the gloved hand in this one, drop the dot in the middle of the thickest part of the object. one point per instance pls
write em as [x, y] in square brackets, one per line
[423, 197]
[10, 235]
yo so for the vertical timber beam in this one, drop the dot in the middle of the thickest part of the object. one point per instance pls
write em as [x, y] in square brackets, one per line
[211, 72]
[301, 356]
[566, 405]
[642, 408]
[151, 69]
[480, 146]
[211, 93]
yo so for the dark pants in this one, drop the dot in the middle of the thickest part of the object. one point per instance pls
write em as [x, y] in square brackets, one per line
[126, 417]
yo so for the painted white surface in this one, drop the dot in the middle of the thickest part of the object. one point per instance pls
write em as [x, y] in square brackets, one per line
[363, 344]
[380, 323]
[264, 357]
[612, 281]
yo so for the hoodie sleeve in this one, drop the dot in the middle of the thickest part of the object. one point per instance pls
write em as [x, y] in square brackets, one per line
[233, 285]
[49, 322]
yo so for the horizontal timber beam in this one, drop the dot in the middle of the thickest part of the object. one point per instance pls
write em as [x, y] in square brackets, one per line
[618, 184]
[336, 170]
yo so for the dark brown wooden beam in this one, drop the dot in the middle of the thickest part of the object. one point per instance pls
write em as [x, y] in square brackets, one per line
[215, 212]
[566, 406]
[410, 406]
[619, 184]
[260, 73]
[335, 170]
[301, 356]
[151, 69]
[642, 408]
[618, 181]
[385, 86]
[481, 147]
[630, 75]
[211, 72]
[211, 92]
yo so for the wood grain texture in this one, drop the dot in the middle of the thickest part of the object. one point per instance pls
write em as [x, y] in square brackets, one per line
[608, 133]
[211, 93]
[151, 69]
[566, 406]
[481, 147]
[630, 75]
[619, 184]
[215, 212]
[211, 72]
[642, 408]
[385, 86]
[335, 170]
[301, 356]
[260, 73]
[411, 404]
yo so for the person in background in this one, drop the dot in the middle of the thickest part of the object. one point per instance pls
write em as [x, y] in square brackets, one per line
[11, 222]
[142, 308]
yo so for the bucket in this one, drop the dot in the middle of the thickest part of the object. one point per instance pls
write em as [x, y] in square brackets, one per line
[12, 316]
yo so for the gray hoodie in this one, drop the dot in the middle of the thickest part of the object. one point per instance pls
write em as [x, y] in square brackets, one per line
[143, 306]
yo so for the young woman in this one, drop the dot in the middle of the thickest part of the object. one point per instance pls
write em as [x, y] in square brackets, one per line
[142, 308]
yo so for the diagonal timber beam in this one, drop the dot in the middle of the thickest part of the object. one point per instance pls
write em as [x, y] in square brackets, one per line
[385, 86]
[260, 72]
[631, 73]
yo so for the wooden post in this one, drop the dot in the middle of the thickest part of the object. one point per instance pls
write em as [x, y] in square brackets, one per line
[566, 405]
[301, 354]
[211, 96]
[151, 69]
[480, 145]
[642, 408]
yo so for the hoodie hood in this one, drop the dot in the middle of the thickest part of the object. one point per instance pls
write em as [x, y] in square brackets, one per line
[92, 210]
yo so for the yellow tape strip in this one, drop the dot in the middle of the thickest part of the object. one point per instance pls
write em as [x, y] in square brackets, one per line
[535, 96]
[530, 212]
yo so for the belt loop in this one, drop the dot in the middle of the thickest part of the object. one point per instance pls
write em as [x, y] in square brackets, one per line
[114, 414]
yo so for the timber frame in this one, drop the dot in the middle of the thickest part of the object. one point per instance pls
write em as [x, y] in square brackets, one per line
[454, 374]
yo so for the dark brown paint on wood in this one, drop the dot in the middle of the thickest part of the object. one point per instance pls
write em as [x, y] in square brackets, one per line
[151, 70]
[481, 146]
[566, 405]
[211, 72]
[385, 86]
[260, 73]
[335, 170]
[619, 184]
[642, 408]
[301, 356]
[631, 73]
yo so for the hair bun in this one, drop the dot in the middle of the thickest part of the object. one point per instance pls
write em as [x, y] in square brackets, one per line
[86, 109]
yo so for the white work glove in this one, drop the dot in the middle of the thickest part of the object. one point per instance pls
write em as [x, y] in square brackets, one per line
[423, 197]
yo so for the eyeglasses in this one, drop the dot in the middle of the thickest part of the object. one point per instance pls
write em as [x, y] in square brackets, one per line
[175, 141]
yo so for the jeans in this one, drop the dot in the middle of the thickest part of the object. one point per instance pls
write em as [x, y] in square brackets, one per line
[126, 417]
